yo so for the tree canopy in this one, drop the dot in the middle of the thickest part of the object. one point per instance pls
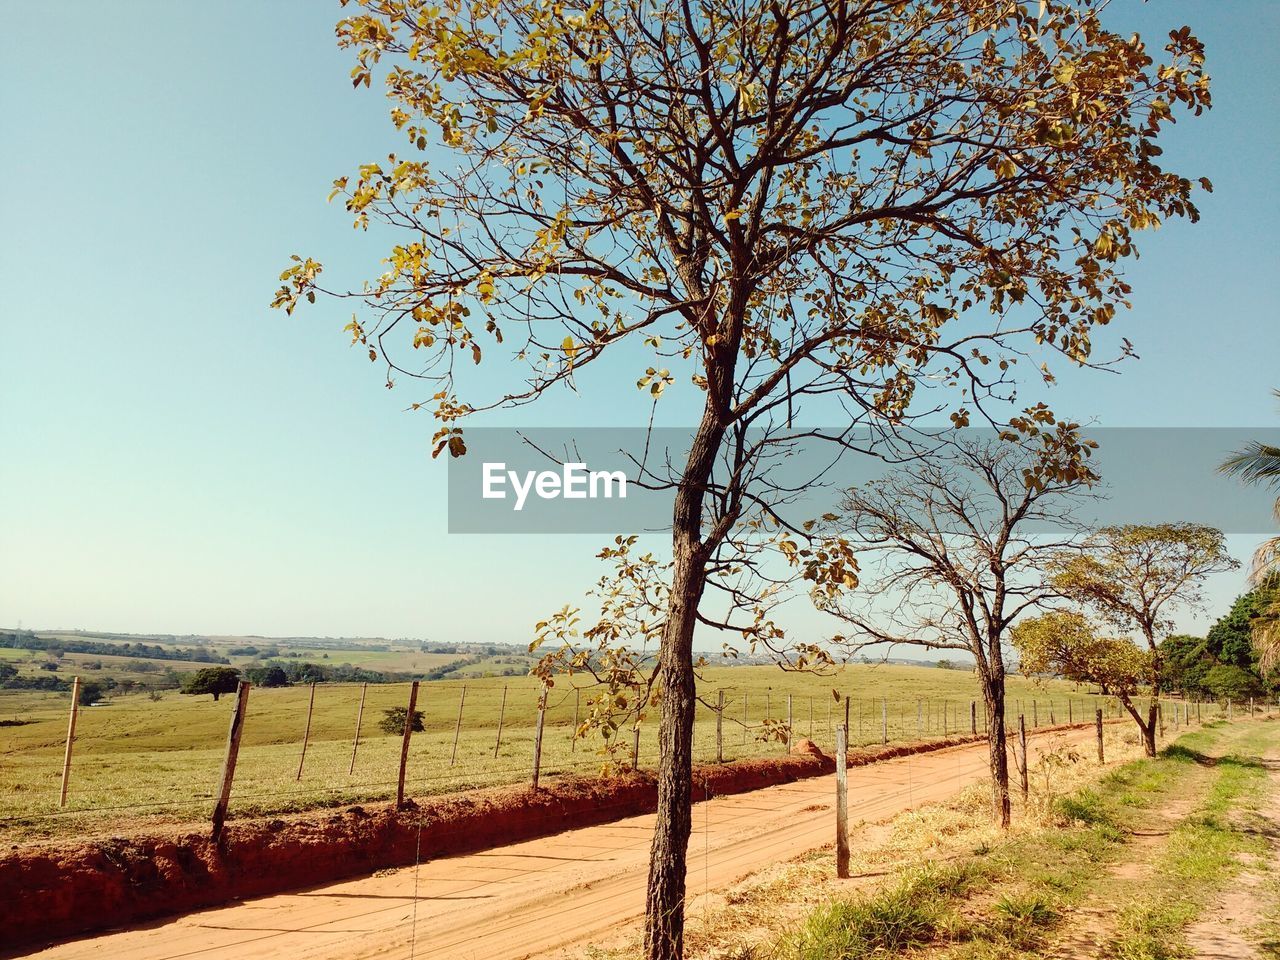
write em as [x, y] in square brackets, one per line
[214, 680]
[773, 204]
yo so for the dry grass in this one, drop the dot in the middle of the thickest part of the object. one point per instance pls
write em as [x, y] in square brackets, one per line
[141, 762]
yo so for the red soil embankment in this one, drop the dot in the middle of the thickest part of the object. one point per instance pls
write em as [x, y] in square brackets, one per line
[47, 892]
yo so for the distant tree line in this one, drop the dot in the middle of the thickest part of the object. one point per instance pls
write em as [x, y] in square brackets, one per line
[26, 640]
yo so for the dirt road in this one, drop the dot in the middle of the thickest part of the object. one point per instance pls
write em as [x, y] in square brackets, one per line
[532, 898]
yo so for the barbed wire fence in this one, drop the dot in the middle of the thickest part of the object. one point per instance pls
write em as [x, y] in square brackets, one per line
[279, 750]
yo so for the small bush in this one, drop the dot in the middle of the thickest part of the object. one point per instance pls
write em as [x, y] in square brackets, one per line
[1083, 807]
[392, 721]
[1026, 910]
[906, 915]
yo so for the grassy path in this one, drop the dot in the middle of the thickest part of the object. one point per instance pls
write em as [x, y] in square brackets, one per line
[1125, 873]
[1173, 857]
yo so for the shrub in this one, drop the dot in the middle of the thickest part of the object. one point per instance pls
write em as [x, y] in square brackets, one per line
[392, 721]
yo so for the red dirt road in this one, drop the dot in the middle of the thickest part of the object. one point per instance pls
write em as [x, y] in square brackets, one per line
[529, 899]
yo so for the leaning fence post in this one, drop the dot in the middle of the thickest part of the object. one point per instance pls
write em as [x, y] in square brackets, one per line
[1022, 739]
[842, 802]
[404, 742]
[502, 712]
[71, 739]
[229, 764]
[720, 726]
[457, 730]
[306, 731]
[973, 717]
[355, 742]
[1098, 721]
[537, 735]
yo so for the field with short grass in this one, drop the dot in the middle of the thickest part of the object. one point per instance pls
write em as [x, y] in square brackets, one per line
[138, 760]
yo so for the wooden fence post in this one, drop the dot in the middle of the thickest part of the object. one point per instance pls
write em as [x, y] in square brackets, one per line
[919, 709]
[1098, 720]
[973, 718]
[233, 752]
[404, 742]
[1035, 713]
[355, 743]
[306, 731]
[846, 720]
[1022, 739]
[577, 700]
[502, 712]
[635, 747]
[71, 739]
[790, 726]
[842, 802]
[457, 730]
[745, 719]
[1071, 714]
[537, 735]
[720, 726]
[811, 718]
[884, 721]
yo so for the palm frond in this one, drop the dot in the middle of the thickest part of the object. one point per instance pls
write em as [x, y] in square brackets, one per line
[1266, 561]
[1256, 463]
[1266, 639]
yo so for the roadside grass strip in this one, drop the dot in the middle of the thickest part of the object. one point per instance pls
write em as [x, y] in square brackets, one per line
[1023, 896]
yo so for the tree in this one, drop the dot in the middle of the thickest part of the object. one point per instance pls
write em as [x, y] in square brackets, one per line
[1228, 682]
[90, 693]
[1065, 643]
[1134, 577]
[214, 680]
[794, 202]
[1259, 463]
[958, 558]
[1231, 639]
[1184, 661]
[392, 721]
[268, 675]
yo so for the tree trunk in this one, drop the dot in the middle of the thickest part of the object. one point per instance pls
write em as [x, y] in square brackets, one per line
[1146, 727]
[664, 906]
[993, 694]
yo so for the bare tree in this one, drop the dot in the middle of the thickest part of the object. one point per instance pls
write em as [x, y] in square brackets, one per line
[957, 547]
[793, 201]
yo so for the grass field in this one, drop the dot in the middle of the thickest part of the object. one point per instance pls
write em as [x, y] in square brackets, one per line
[159, 761]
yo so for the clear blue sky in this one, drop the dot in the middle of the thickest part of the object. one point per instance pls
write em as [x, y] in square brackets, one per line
[179, 458]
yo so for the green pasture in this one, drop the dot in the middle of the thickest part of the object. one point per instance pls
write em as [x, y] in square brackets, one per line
[138, 759]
